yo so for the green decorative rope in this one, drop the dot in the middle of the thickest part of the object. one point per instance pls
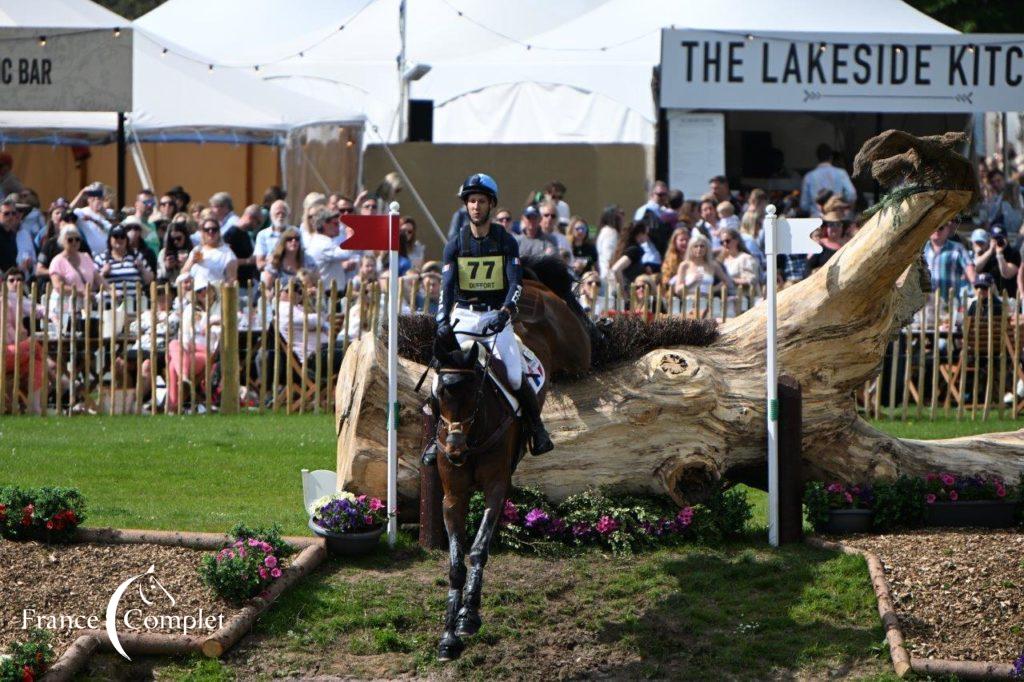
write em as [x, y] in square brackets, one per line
[892, 200]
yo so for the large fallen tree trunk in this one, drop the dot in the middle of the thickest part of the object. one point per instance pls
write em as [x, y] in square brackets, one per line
[679, 418]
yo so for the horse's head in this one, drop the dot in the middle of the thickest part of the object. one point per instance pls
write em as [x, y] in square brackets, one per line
[459, 394]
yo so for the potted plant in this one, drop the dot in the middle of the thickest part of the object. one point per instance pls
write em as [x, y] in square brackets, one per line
[350, 525]
[982, 501]
[839, 508]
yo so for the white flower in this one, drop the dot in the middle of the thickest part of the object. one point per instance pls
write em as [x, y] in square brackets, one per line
[327, 499]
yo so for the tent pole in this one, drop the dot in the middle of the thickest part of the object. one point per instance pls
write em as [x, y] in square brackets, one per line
[121, 158]
[248, 173]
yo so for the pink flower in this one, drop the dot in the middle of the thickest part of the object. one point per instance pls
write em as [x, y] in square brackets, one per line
[835, 487]
[265, 546]
[270, 561]
[1000, 491]
[361, 499]
[253, 542]
[606, 525]
[275, 573]
[685, 516]
[368, 520]
[931, 477]
[929, 498]
[231, 554]
[849, 498]
[263, 573]
[376, 504]
[855, 490]
[509, 513]
[954, 495]
[948, 479]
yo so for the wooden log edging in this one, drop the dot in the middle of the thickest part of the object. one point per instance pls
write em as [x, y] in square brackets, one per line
[85, 645]
[901, 660]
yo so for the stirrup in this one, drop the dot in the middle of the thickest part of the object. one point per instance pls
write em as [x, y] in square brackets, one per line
[429, 456]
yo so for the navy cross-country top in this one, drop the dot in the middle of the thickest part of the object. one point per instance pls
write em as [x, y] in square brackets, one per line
[483, 270]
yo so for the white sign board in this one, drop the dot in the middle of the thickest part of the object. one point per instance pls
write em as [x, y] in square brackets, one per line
[948, 73]
[696, 150]
[793, 235]
[64, 69]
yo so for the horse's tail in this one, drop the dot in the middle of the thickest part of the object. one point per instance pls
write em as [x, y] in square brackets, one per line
[553, 273]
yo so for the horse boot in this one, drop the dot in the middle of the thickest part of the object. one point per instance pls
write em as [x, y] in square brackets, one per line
[431, 410]
[540, 440]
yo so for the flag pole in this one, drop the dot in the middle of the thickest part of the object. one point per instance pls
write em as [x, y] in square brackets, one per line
[772, 380]
[392, 411]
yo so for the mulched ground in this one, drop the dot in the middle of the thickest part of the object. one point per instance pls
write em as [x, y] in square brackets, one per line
[79, 579]
[957, 592]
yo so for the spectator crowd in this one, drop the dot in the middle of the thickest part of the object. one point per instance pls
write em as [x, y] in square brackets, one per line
[671, 244]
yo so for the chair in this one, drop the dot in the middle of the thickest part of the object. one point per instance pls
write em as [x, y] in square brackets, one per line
[316, 484]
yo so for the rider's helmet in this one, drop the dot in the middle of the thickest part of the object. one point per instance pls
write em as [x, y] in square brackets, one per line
[479, 183]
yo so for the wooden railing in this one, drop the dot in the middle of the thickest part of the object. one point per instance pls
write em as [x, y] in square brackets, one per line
[110, 351]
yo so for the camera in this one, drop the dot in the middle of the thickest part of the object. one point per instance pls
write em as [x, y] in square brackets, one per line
[1001, 242]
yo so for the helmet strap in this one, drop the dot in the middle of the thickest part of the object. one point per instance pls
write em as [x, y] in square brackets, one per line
[487, 218]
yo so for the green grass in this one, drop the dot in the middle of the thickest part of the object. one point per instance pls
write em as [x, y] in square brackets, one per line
[945, 428]
[180, 473]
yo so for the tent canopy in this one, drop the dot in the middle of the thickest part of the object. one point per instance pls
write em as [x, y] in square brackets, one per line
[177, 97]
[529, 71]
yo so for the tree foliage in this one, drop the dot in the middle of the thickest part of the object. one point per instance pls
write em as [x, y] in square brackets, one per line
[975, 16]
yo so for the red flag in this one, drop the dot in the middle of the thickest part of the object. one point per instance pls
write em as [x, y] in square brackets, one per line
[370, 232]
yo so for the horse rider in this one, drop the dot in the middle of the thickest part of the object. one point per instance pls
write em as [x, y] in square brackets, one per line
[481, 280]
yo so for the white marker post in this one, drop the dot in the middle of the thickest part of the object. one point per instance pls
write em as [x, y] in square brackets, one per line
[789, 237]
[392, 411]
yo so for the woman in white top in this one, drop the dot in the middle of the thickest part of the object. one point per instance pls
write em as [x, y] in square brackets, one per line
[212, 262]
[306, 330]
[699, 271]
[739, 264]
[200, 338]
[608, 238]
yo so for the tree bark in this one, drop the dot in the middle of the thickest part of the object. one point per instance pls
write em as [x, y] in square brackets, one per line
[680, 418]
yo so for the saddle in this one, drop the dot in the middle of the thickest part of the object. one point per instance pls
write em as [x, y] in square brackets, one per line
[498, 374]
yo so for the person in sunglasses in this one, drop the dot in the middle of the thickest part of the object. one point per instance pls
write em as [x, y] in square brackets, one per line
[212, 262]
[19, 346]
[72, 269]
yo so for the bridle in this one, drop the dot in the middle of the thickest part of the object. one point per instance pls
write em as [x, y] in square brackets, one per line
[464, 426]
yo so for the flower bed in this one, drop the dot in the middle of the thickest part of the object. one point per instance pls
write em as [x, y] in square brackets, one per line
[48, 513]
[940, 499]
[619, 523]
[248, 566]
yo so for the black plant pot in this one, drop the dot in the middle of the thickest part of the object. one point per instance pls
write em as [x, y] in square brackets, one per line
[976, 513]
[844, 521]
[349, 544]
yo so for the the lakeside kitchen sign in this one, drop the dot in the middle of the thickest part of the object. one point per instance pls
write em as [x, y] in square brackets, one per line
[63, 69]
[842, 71]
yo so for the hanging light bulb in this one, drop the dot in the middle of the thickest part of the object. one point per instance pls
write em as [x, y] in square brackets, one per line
[163, 52]
[117, 32]
[42, 41]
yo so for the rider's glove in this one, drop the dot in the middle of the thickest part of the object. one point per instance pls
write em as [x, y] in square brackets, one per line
[499, 321]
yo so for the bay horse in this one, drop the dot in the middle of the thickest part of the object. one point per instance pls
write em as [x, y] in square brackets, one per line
[480, 440]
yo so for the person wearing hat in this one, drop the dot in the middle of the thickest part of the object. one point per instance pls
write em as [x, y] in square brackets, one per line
[122, 267]
[533, 242]
[949, 263]
[137, 243]
[994, 256]
[92, 219]
[834, 219]
[430, 288]
[481, 281]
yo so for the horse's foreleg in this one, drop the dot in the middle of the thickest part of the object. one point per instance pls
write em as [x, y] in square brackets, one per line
[455, 509]
[469, 616]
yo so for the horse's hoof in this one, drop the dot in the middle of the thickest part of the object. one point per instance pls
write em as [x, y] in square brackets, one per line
[449, 650]
[467, 625]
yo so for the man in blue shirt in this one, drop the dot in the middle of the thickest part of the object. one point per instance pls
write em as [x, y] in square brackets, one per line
[948, 261]
[481, 281]
[825, 176]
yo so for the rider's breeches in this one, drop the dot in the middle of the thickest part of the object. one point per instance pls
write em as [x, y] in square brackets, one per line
[505, 346]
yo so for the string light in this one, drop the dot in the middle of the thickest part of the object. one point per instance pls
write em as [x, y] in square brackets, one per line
[117, 32]
[42, 41]
[163, 52]
[257, 67]
[822, 48]
[211, 67]
[750, 36]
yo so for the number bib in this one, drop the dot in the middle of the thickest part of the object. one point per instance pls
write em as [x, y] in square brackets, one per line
[481, 273]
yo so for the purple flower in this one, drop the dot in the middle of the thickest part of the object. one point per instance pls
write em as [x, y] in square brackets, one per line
[1018, 666]
[606, 525]
[685, 517]
[954, 495]
[835, 487]
[536, 518]
[581, 530]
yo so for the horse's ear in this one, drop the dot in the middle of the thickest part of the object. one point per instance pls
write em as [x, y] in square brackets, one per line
[473, 356]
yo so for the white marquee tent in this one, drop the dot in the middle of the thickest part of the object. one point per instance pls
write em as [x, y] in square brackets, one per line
[177, 97]
[529, 71]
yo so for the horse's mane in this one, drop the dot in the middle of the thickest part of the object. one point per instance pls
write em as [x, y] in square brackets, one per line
[628, 337]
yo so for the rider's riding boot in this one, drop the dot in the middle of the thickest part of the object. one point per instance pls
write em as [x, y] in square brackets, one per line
[531, 414]
[429, 456]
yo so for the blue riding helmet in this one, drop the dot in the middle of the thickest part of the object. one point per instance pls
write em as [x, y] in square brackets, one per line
[479, 183]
